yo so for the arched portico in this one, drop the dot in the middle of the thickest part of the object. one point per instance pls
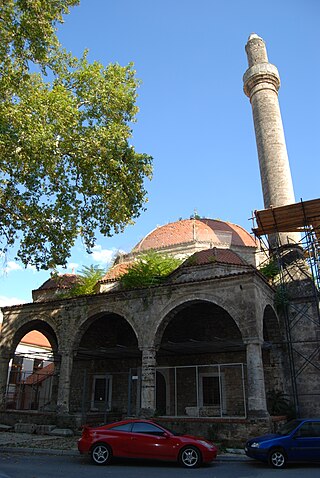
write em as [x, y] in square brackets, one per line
[112, 346]
[200, 358]
[201, 344]
[106, 357]
[32, 381]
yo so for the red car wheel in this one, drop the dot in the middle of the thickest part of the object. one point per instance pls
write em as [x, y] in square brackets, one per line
[101, 454]
[190, 457]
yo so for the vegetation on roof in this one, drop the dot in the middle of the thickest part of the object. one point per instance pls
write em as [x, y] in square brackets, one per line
[85, 285]
[270, 269]
[151, 269]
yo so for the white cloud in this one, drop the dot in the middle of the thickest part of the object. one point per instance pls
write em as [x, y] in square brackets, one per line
[103, 256]
[7, 301]
[12, 266]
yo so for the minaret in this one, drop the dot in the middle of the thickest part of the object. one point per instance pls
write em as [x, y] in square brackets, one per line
[261, 85]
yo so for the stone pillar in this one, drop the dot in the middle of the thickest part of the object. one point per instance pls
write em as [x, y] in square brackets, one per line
[4, 368]
[64, 382]
[256, 394]
[261, 85]
[148, 381]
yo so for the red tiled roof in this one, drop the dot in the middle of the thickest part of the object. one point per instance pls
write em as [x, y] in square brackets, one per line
[240, 237]
[40, 376]
[116, 271]
[208, 256]
[36, 338]
[195, 230]
[63, 281]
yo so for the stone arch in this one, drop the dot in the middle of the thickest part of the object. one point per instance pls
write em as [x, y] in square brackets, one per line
[201, 356]
[179, 304]
[98, 313]
[106, 352]
[39, 324]
[271, 326]
[31, 378]
[273, 355]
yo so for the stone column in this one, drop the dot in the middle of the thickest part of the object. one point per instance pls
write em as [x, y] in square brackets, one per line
[148, 381]
[261, 85]
[256, 394]
[4, 368]
[64, 382]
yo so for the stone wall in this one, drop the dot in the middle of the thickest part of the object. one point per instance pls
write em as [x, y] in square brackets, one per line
[227, 432]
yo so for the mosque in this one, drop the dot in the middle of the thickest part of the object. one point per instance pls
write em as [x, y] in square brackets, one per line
[218, 347]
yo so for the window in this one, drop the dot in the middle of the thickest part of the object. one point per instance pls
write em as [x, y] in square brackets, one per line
[149, 428]
[209, 390]
[37, 365]
[16, 370]
[309, 429]
[101, 392]
[122, 428]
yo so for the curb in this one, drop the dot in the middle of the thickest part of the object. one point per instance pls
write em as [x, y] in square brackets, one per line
[49, 451]
[39, 451]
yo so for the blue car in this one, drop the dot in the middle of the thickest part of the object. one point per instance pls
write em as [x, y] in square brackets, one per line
[296, 441]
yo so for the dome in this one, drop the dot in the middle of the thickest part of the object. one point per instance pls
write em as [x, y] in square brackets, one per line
[212, 231]
[51, 288]
[63, 281]
[186, 237]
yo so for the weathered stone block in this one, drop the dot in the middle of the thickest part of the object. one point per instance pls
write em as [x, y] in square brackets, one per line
[25, 427]
[62, 432]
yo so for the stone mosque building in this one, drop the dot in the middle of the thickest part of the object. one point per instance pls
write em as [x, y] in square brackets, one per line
[207, 348]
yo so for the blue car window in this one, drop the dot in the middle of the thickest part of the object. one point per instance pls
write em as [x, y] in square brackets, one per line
[309, 430]
[288, 427]
[316, 429]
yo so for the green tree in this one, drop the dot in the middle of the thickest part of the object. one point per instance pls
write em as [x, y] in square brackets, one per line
[67, 167]
[151, 269]
[87, 279]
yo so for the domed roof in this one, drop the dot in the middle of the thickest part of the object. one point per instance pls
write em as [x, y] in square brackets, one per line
[211, 231]
[63, 281]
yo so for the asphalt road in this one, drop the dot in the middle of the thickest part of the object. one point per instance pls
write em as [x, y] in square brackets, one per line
[49, 466]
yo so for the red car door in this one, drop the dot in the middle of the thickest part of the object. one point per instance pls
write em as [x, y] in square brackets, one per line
[118, 437]
[149, 441]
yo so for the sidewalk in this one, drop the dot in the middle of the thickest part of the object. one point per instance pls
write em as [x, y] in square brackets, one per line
[11, 442]
[42, 444]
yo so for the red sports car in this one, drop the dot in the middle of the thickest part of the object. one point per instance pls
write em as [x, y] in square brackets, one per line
[144, 439]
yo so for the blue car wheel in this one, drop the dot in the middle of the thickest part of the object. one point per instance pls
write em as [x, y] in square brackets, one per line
[277, 459]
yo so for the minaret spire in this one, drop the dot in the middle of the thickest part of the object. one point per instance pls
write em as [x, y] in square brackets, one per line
[261, 85]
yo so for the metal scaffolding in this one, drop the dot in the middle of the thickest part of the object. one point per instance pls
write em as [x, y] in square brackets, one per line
[295, 262]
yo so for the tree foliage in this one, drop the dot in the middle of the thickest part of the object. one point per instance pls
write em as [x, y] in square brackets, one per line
[66, 164]
[87, 279]
[151, 269]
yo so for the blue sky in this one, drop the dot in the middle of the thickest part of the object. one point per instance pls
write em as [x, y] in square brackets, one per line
[194, 118]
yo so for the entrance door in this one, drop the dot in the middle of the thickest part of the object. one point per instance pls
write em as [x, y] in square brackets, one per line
[101, 393]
